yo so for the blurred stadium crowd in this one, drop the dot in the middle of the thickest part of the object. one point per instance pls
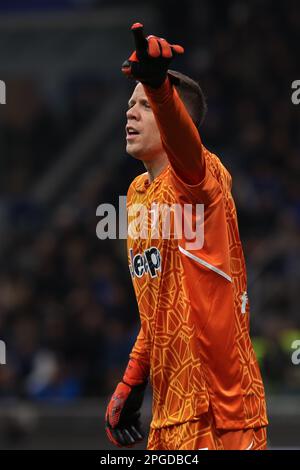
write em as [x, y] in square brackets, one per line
[67, 308]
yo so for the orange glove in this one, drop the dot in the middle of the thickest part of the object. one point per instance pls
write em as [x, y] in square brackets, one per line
[150, 61]
[122, 418]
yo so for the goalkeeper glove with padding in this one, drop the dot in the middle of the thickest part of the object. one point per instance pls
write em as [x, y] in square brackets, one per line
[122, 418]
[150, 61]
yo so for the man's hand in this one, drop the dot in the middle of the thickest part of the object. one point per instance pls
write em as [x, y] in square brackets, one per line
[150, 61]
[122, 419]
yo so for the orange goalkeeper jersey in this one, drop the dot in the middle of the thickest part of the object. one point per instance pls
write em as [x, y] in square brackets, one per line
[192, 302]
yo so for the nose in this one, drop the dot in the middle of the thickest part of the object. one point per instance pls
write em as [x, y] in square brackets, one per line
[133, 113]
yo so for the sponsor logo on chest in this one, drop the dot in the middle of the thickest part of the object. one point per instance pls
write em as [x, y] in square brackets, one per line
[148, 262]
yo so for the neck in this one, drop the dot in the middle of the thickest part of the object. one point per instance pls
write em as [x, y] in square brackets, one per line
[155, 167]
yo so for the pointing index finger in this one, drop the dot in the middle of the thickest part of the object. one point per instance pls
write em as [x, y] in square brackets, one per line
[141, 43]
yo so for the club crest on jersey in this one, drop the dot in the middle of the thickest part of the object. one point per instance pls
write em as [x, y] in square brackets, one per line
[148, 262]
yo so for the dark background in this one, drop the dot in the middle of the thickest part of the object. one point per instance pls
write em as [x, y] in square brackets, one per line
[68, 314]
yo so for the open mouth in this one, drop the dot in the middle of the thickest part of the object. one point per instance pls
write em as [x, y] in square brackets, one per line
[131, 132]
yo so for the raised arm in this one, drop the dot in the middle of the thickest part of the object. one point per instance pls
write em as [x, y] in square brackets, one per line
[149, 64]
[180, 137]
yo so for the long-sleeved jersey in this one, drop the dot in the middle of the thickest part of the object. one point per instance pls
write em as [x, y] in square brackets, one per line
[193, 301]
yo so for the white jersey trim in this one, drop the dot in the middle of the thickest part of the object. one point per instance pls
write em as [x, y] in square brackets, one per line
[205, 263]
[250, 446]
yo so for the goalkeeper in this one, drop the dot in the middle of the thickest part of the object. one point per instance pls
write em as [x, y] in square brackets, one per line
[194, 345]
